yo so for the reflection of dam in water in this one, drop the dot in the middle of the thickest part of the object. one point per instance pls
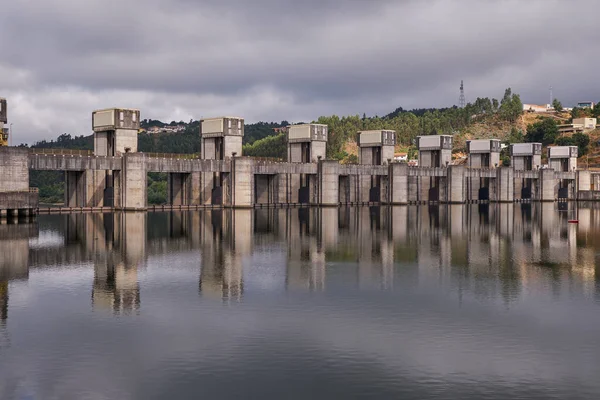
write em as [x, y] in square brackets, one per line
[14, 259]
[487, 250]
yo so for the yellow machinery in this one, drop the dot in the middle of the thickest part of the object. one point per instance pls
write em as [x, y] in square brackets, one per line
[3, 135]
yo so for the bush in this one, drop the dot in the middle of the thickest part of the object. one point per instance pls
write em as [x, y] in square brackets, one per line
[544, 131]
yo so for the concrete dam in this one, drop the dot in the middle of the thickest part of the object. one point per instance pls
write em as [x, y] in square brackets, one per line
[114, 175]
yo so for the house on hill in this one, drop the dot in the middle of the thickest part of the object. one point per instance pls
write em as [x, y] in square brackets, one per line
[537, 108]
[401, 157]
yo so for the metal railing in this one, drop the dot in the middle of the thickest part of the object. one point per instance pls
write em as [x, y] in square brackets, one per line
[62, 152]
[272, 159]
[180, 156]
[28, 190]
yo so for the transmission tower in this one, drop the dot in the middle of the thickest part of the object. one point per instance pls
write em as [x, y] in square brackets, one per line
[461, 100]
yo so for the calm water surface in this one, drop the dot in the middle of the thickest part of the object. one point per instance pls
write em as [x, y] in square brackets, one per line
[458, 302]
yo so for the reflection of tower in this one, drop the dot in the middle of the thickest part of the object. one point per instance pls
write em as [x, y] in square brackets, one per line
[226, 238]
[462, 102]
[375, 249]
[306, 258]
[14, 259]
[116, 288]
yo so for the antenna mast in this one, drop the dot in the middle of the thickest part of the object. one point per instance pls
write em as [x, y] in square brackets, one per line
[461, 100]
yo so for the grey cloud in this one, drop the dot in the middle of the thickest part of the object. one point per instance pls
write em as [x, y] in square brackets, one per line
[323, 57]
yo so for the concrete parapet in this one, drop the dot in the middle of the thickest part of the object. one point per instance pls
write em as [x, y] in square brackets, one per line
[177, 165]
[273, 167]
[356, 169]
[71, 162]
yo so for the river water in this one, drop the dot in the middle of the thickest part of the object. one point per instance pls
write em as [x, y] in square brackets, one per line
[450, 302]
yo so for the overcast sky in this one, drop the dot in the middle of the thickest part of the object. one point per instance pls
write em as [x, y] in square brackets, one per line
[272, 60]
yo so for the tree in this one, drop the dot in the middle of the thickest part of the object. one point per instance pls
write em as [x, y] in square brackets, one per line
[564, 141]
[516, 136]
[596, 111]
[578, 112]
[495, 105]
[557, 105]
[511, 106]
[582, 141]
[270, 146]
[544, 131]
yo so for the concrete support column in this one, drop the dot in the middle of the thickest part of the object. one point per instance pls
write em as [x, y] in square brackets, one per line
[384, 193]
[206, 186]
[364, 188]
[70, 189]
[283, 183]
[547, 185]
[313, 185]
[398, 183]
[583, 182]
[193, 188]
[442, 184]
[595, 181]
[328, 176]
[117, 179]
[226, 188]
[413, 189]
[95, 182]
[505, 185]
[425, 183]
[456, 184]
[344, 189]
[133, 182]
[242, 182]
[294, 188]
[176, 189]
[75, 188]
[264, 189]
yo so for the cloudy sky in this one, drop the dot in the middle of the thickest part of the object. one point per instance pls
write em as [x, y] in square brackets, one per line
[284, 59]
